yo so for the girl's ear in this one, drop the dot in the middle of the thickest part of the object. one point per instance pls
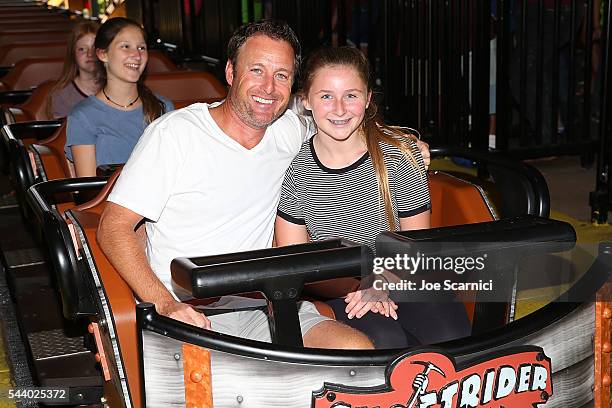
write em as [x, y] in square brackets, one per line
[369, 99]
[305, 102]
[101, 54]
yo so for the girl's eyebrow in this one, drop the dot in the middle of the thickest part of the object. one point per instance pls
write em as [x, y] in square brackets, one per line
[347, 90]
[130, 43]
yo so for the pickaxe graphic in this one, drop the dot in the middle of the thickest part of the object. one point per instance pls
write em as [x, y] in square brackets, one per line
[417, 391]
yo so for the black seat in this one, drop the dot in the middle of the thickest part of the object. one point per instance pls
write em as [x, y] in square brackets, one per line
[68, 268]
[522, 189]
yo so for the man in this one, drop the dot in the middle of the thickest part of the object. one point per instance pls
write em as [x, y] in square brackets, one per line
[207, 179]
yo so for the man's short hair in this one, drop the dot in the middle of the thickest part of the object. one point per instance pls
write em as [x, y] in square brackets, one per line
[275, 29]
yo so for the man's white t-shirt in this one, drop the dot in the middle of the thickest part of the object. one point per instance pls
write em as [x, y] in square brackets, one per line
[201, 191]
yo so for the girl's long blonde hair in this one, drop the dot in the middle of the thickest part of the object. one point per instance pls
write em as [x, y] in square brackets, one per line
[373, 129]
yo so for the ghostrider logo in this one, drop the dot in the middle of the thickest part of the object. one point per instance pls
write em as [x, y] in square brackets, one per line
[520, 377]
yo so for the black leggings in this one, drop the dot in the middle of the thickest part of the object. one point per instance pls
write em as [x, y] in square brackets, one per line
[416, 324]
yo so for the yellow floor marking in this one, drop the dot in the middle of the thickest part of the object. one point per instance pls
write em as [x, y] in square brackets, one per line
[5, 376]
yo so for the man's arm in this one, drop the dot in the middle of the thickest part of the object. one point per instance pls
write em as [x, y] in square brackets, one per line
[122, 246]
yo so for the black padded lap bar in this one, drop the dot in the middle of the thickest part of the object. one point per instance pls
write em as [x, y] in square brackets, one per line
[504, 241]
[261, 270]
[42, 192]
[280, 273]
[40, 130]
[513, 233]
[268, 252]
[13, 97]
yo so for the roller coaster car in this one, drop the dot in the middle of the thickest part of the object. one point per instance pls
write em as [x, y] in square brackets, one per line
[25, 165]
[545, 357]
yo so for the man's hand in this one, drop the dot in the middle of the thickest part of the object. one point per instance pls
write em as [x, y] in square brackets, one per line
[183, 312]
[362, 301]
[424, 149]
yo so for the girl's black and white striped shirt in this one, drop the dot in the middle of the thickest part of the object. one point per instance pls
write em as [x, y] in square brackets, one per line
[346, 202]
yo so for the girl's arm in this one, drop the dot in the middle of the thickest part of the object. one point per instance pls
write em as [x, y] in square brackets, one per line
[419, 221]
[288, 233]
[81, 137]
[84, 157]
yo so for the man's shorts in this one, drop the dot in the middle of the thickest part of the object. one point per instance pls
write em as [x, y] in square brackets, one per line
[254, 324]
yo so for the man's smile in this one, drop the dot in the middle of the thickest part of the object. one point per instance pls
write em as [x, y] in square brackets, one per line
[263, 100]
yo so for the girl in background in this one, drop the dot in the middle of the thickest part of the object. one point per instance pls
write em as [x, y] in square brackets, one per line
[79, 77]
[104, 128]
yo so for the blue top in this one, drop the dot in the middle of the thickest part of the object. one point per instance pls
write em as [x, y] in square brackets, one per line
[113, 131]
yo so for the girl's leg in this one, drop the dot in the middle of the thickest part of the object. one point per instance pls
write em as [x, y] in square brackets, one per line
[434, 322]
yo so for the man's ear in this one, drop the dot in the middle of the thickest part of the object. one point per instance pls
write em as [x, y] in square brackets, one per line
[229, 72]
